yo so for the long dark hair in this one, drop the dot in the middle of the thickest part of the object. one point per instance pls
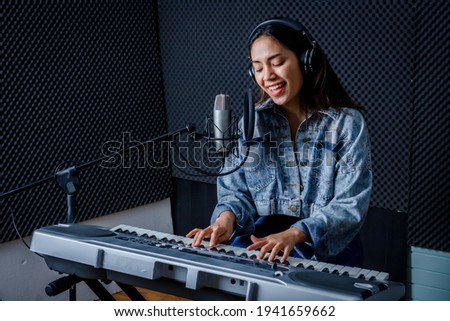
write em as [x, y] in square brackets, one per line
[321, 89]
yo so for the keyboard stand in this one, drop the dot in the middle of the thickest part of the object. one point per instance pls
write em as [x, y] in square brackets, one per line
[131, 292]
[69, 282]
[134, 257]
[99, 290]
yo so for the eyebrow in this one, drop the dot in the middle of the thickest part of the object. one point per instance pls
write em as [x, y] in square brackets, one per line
[270, 58]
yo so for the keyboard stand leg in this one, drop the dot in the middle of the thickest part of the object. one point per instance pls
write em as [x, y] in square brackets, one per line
[73, 293]
[131, 292]
[99, 290]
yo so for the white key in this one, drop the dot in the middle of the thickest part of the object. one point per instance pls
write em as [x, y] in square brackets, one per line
[372, 275]
[364, 273]
[328, 268]
[354, 272]
[383, 276]
[337, 269]
[319, 266]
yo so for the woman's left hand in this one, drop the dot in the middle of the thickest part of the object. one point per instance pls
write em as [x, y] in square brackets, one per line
[279, 242]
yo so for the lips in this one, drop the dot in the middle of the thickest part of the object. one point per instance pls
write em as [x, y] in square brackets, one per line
[276, 89]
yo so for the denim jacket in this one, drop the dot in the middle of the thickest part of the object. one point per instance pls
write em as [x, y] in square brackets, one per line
[324, 178]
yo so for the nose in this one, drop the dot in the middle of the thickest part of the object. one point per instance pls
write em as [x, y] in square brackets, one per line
[268, 73]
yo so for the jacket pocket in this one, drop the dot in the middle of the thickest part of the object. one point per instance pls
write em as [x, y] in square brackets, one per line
[260, 175]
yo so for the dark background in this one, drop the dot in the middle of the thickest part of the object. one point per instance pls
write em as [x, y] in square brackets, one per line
[79, 74]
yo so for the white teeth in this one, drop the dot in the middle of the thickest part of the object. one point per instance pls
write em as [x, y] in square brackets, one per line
[272, 88]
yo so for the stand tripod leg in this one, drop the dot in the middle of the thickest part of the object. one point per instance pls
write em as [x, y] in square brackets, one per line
[99, 290]
[131, 292]
[73, 293]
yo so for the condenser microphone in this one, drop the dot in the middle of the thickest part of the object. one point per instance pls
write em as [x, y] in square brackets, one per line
[222, 123]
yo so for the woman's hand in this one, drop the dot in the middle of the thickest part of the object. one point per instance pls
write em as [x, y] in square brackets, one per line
[217, 232]
[279, 242]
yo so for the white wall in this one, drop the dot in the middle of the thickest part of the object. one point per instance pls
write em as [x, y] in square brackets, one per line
[24, 275]
[428, 276]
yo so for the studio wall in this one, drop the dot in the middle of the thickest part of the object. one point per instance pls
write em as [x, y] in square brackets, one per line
[78, 75]
[80, 80]
[390, 56]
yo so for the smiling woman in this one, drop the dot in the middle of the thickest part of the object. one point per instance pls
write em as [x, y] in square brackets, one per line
[277, 72]
[314, 160]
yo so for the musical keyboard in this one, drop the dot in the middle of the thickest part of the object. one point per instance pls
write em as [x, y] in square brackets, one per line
[132, 254]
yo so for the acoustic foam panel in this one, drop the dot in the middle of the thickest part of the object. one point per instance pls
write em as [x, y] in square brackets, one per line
[80, 77]
[429, 219]
[204, 53]
[392, 56]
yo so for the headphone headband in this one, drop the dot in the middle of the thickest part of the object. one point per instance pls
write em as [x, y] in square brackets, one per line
[306, 58]
[290, 23]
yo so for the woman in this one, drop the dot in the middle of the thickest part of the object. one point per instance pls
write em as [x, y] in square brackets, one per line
[304, 191]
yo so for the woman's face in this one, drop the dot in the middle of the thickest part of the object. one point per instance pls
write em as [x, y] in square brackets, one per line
[277, 71]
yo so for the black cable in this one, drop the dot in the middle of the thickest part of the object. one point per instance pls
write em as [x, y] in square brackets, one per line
[11, 213]
[203, 172]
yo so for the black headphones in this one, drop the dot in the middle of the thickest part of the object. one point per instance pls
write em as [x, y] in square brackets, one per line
[306, 58]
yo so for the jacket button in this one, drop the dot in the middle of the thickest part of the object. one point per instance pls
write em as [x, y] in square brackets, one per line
[293, 208]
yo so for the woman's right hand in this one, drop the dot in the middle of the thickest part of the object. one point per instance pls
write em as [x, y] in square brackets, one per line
[217, 232]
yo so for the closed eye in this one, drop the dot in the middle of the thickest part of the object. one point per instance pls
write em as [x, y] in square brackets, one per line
[278, 63]
[259, 68]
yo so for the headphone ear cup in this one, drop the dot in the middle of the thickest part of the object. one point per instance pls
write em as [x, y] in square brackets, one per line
[307, 60]
[251, 71]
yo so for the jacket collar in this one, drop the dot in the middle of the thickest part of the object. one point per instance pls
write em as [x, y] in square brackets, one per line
[269, 104]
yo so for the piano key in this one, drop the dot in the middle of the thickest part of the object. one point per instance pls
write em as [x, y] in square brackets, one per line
[182, 241]
[239, 251]
[383, 276]
[372, 275]
[354, 272]
[337, 269]
[319, 266]
[178, 239]
[312, 265]
[298, 262]
[363, 274]
[328, 268]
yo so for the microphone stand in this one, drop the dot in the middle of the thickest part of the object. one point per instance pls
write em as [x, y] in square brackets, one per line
[68, 178]
[69, 181]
